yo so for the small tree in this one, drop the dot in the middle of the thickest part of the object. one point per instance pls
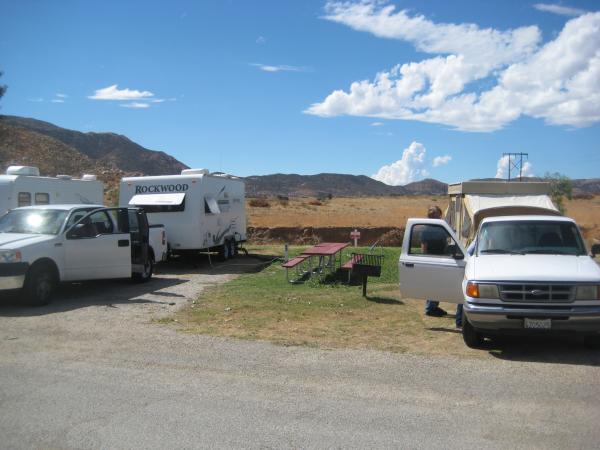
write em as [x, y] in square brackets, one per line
[560, 187]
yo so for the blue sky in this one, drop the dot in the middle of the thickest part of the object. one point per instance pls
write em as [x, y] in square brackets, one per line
[402, 90]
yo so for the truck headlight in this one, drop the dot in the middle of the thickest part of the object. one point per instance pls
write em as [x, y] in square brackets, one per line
[10, 256]
[477, 290]
[588, 292]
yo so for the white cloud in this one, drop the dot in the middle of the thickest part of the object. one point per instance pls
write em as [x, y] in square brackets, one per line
[377, 124]
[135, 105]
[281, 68]
[558, 82]
[59, 95]
[261, 40]
[502, 169]
[441, 160]
[114, 93]
[407, 169]
[35, 100]
[559, 9]
[57, 100]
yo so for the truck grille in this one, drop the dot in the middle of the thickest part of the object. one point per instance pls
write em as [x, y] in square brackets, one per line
[542, 293]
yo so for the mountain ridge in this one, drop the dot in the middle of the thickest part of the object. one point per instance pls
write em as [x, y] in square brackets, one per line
[111, 156]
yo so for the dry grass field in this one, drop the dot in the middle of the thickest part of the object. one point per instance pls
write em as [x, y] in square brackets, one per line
[384, 211]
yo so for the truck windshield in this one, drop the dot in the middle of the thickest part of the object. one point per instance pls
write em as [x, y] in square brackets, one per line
[33, 221]
[529, 237]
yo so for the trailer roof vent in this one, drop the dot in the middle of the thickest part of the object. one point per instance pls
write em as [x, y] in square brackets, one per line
[64, 177]
[23, 170]
[89, 177]
[194, 172]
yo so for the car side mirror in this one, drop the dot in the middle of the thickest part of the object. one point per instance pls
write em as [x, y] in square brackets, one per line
[595, 250]
[458, 255]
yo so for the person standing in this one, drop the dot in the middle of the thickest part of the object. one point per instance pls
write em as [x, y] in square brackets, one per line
[433, 241]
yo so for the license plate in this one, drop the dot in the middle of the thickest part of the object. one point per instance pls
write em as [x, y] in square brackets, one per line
[538, 324]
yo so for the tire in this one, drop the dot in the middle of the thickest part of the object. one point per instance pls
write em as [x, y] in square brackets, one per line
[225, 251]
[592, 341]
[232, 248]
[472, 338]
[40, 282]
[146, 275]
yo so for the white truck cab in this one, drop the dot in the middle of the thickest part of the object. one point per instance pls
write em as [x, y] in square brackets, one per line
[525, 274]
[41, 246]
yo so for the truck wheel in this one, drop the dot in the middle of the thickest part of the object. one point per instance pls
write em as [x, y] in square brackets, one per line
[232, 248]
[145, 276]
[40, 283]
[471, 337]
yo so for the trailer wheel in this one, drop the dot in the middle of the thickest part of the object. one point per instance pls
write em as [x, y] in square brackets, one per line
[146, 274]
[40, 283]
[225, 251]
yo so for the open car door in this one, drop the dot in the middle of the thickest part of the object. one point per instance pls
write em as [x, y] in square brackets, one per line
[432, 262]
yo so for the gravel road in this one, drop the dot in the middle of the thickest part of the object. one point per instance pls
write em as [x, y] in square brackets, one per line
[93, 370]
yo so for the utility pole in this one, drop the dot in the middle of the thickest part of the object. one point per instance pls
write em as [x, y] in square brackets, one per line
[514, 163]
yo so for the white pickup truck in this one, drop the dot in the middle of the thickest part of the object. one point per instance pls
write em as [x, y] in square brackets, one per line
[41, 246]
[526, 274]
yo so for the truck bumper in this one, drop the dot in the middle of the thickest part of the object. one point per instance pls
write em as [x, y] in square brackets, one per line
[12, 275]
[584, 319]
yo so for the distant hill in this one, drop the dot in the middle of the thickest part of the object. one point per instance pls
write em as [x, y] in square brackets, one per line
[294, 185]
[55, 150]
[108, 150]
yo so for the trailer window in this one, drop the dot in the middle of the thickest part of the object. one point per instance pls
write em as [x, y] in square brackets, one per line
[211, 206]
[42, 198]
[223, 205]
[24, 199]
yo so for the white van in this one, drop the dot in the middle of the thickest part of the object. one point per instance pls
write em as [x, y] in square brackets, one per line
[200, 210]
[23, 186]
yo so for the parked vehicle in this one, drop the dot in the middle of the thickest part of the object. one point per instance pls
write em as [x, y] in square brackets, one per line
[41, 246]
[527, 274]
[200, 210]
[23, 186]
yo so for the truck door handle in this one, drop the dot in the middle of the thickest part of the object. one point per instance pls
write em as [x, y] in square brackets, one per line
[408, 264]
[123, 242]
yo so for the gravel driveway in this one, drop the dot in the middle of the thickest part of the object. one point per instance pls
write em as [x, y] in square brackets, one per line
[93, 370]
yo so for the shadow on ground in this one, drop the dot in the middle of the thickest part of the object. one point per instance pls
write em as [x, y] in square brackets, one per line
[110, 293]
[544, 349]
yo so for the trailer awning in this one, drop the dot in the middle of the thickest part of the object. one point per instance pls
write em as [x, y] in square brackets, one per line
[157, 199]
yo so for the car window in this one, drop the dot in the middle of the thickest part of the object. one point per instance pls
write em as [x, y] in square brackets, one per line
[77, 215]
[527, 237]
[102, 222]
[432, 240]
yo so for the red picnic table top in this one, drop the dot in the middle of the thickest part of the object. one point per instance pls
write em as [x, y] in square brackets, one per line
[325, 248]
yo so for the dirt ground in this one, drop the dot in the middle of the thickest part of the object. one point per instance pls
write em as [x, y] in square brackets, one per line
[370, 212]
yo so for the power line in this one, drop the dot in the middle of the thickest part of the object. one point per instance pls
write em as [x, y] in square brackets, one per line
[515, 161]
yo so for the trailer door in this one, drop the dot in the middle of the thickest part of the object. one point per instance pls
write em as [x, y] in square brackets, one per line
[432, 262]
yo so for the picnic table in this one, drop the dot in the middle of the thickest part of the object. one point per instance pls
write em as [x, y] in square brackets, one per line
[329, 256]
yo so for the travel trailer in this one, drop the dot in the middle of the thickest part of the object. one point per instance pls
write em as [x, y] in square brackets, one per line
[201, 211]
[472, 201]
[23, 186]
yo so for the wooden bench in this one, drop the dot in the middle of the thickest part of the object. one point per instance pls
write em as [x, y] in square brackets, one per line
[295, 263]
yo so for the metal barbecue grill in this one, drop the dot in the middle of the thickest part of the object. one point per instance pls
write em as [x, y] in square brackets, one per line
[367, 265]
